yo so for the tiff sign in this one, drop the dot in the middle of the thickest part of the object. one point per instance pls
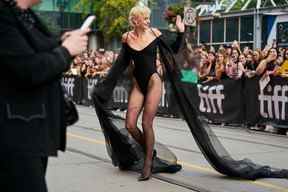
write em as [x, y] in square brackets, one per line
[211, 98]
[274, 102]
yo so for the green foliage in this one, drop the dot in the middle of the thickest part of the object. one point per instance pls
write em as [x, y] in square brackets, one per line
[172, 11]
[178, 9]
[238, 5]
[89, 6]
[252, 5]
[112, 15]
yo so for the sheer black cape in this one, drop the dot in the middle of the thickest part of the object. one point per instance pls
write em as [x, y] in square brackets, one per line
[127, 154]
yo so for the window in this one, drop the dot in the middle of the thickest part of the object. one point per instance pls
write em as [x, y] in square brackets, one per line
[282, 34]
[157, 19]
[247, 28]
[218, 30]
[76, 20]
[205, 32]
[232, 29]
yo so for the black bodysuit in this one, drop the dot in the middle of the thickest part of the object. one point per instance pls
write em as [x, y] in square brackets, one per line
[145, 63]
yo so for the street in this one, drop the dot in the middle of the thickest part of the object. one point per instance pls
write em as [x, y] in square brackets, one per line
[86, 165]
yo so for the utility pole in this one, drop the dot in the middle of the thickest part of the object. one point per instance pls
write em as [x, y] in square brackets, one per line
[257, 29]
[190, 37]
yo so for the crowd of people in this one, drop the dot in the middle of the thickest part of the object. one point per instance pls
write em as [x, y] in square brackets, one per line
[230, 61]
[92, 63]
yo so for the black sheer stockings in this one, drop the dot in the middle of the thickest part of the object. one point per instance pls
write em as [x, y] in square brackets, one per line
[150, 107]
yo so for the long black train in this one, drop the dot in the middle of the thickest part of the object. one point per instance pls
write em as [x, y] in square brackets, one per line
[164, 126]
[222, 137]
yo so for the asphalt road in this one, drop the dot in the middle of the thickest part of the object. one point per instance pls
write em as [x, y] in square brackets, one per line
[86, 166]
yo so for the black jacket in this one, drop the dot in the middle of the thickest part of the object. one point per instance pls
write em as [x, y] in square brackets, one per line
[31, 98]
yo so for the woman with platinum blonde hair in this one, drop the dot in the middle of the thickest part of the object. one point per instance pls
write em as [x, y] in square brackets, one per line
[141, 43]
[139, 49]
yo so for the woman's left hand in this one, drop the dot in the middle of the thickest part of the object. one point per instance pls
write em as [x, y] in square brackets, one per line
[180, 24]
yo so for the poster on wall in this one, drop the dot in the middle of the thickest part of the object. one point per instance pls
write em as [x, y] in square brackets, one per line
[282, 34]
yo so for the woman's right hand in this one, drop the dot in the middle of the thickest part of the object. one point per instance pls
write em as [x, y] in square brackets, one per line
[76, 42]
[180, 24]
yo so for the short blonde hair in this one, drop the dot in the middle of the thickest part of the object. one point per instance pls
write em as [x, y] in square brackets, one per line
[138, 11]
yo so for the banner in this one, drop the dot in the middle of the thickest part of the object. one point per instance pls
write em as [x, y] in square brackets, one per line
[269, 104]
[219, 101]
[227, 101]
[72, 86]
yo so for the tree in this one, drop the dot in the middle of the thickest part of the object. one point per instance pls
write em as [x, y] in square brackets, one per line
[112, 15]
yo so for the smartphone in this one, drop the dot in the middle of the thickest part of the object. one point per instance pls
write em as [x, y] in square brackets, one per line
[88, 22]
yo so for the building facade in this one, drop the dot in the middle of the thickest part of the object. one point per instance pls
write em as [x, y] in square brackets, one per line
[254, 28]
[60, 15]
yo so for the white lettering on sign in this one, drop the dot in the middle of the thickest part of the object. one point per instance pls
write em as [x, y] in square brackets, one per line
[211, 98]
[274, 106]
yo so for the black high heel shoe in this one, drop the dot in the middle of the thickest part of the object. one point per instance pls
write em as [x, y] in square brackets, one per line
[142, 177]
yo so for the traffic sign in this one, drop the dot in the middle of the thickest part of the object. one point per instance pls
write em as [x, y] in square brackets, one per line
[189, 16]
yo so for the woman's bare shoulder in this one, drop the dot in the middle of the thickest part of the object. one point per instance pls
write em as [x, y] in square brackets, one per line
[156, 31]
[125, 36]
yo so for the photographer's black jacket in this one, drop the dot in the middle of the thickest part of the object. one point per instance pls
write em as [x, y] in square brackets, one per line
[31, 99]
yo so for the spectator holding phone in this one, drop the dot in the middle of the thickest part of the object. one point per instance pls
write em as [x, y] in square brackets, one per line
[268, 65]
[234, 68]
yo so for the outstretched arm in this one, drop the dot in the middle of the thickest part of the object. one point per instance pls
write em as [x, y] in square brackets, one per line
[176, 42]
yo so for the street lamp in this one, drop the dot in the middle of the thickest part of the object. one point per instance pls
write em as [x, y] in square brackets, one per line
[62, 4]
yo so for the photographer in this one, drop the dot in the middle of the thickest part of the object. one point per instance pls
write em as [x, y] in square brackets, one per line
[32, 121]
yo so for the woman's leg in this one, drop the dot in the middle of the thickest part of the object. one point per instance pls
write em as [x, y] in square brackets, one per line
[135, 104]
[150, 109]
